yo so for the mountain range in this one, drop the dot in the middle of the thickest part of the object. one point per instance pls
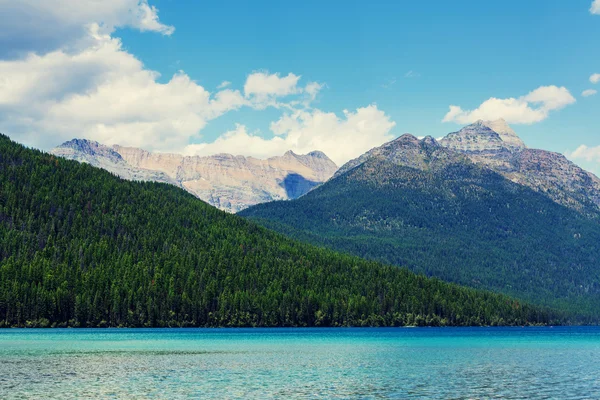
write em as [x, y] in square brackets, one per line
[228, 182]
[477, 207]
[82, 247]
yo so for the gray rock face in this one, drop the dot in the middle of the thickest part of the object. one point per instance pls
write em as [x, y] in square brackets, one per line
[228, 182]
[105, 157]
[495, 145]
[408, 151]
[484, 136]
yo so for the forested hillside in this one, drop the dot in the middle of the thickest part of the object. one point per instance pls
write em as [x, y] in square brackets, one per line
[448, 218]
[81, 247]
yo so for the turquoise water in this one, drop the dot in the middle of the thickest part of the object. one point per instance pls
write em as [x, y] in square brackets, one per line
[456, 363]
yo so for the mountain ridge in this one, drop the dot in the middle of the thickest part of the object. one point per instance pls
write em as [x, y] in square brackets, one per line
[420, 204]
[228, 182]
[81, 247]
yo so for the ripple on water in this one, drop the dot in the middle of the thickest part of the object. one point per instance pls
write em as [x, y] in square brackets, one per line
[259, 364]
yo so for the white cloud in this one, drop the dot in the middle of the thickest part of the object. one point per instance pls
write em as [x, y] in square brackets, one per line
[412, 74]
[595, 78]
[106, 94]
[82, 83]
[303, 131]
[589, 92]
[588, 157]
[312, 89]
[240, 141]
[264, 89]
[263, 84]
[586, 153]
[528, 109]
[41, 25]
[340, 138]
[595, 8]
[97, 90]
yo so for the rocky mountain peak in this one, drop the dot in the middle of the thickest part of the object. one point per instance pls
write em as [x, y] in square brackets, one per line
[495, 145]
[430, 141]
[409, 144]
[507, 134]
[318, 154]
[484, 136]
[85, 150]
[405, 138]
[408, 151]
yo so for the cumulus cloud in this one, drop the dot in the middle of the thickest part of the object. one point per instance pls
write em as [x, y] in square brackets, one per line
[86, 85]
[586, 153]
[104, 93]
[595, 8]
[263, 84]
[240, 141]
[528, 109]
[264, 89]
[595, 78]
[312, 89]
[341, 138]
[589, 92]
[41, 26]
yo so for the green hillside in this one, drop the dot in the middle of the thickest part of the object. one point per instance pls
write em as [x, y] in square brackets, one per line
[452, 220]
[81, 247]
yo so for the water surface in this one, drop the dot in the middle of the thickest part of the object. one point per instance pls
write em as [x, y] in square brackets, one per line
[454, 363]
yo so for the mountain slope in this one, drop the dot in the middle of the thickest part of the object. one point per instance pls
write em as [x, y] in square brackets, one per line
[228, 182]
[495, 145]
[81, 247]
[419, 204]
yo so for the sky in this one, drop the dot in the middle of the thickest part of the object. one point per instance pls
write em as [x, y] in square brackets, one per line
[262, 77]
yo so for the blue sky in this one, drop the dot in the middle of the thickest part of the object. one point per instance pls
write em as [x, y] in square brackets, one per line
[408, 61]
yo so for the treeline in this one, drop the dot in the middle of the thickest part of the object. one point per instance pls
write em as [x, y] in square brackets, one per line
[80, 247]
[457, 222]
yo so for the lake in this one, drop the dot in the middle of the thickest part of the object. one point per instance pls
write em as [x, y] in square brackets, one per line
[457, 363]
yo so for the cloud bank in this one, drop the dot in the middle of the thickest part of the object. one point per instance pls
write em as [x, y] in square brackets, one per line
[64, 74]
[104, 93]
[41, 26]
[341, 138]
[80, 82]
[530, 108]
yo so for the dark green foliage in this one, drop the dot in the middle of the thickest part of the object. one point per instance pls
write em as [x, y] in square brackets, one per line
[81, 247]
[460, 223]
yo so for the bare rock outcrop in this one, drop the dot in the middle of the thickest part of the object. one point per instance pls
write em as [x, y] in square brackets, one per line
[495, 145]
[228, 182]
